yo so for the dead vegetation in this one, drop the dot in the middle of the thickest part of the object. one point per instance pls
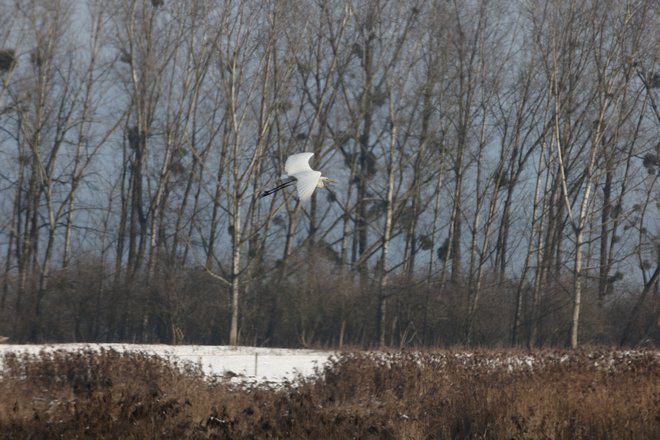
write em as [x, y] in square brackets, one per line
[432, 395]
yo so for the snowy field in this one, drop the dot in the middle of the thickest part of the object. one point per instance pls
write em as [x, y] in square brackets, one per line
[239, 364]
[251, 365]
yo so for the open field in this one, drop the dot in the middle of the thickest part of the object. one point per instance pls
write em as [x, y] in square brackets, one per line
[103, 392]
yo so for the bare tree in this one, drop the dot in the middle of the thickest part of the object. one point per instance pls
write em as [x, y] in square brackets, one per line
[251, 79]
[494, 159]
[54, 100]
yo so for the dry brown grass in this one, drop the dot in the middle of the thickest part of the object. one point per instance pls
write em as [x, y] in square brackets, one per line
[491, 394]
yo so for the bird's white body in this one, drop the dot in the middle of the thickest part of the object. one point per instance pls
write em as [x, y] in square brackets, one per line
[306, 179]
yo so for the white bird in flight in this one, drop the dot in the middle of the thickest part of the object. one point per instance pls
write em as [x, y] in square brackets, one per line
[306, 179]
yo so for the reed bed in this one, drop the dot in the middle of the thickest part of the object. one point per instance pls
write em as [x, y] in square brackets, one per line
[484, 394]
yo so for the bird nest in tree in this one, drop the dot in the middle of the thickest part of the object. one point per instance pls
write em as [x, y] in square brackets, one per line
[7, 60]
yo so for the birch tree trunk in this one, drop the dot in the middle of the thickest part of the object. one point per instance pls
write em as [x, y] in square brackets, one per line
[387, 235]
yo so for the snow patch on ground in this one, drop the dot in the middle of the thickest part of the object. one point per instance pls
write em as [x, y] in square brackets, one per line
[238, 364]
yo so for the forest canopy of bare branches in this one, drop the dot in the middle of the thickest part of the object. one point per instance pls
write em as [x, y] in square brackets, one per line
[497, 165]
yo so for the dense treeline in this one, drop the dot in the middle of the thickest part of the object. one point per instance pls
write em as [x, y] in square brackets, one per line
[497, 166]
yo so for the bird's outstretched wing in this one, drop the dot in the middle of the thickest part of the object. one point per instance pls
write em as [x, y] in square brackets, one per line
[306, 183]
[298, 163]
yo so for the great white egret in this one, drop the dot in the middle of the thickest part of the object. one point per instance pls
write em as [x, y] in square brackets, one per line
[306, 179]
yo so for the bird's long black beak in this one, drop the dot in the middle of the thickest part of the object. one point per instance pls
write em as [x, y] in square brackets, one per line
[277, 188]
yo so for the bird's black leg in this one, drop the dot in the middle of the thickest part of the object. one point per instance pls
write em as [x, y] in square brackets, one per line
[277, 188]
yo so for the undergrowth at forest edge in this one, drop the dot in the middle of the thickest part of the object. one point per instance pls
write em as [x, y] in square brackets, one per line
[592, 393]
